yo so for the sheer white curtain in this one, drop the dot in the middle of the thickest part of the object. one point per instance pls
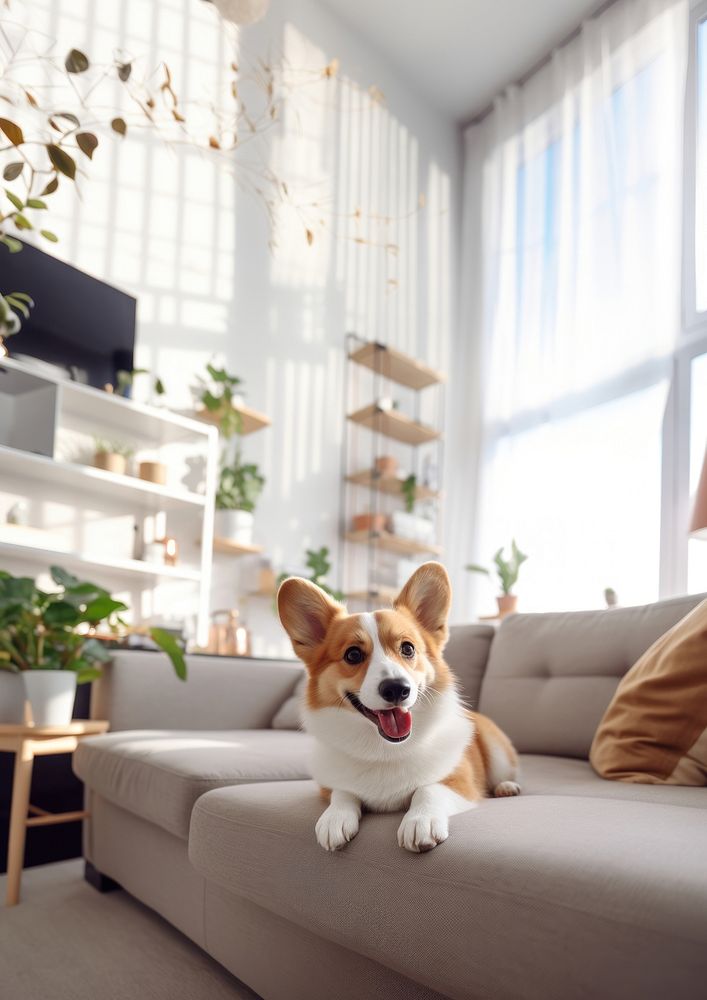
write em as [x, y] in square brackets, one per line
[576, 263]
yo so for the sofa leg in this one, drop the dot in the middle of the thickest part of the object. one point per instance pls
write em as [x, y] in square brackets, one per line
[99, 881]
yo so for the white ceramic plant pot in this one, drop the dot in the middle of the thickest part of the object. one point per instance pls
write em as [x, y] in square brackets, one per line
[412, 527]
[12, 698]
[51, 695]
[237, 525]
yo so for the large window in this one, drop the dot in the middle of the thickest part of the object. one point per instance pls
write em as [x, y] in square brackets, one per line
[700, 34]
[595, 389]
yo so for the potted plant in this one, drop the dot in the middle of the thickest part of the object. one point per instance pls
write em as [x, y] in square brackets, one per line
[368, 522]
[153, 472]
[408, 488]
[240, 485]
[386, 467]
[220, 401]
[319, 566]
[507, 570]
[112, 456]
[125, 380]
[407, 524]
[48, 640]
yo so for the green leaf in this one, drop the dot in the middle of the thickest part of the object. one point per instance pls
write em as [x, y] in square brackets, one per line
[18, 588]
[103, 607]
[118, 125]
[22, 222]
[76, 62]
[475, 568]
[171, 647]
[17, 202]
[61, 613]
[64, 578]
[95, 650]
[61, 160]
[17, 305]
[12, 131]
[48, 235]
[87, 143]
[13, 170]
[13, 245]
[36, 203]
[159, 387]
[87, 675]
[210, 401]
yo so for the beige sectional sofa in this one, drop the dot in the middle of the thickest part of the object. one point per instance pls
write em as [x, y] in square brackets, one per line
[578, 888]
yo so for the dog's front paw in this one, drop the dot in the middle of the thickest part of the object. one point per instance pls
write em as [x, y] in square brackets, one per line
[506, 788]
[336, 827]
[422, 832]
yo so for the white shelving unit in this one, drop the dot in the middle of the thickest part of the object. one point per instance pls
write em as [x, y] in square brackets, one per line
[84, 518]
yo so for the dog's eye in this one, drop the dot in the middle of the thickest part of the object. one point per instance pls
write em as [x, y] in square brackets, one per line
[354, 655]
[407, 649]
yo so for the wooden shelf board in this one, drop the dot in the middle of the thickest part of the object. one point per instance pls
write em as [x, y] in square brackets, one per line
[98, 482]
[231, 548]
[393, 424]
[392, 543]
[396, 366]
[252, 419]
[48, 554]
[389, 484]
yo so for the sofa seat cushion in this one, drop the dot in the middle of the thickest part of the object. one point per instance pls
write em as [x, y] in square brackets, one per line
[159, 774]
[541, 775]
[537, 896]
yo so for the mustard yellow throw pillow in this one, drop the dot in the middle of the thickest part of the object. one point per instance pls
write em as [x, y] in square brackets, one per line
[655, 729]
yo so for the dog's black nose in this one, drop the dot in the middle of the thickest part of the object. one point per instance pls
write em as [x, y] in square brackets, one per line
[394, 691]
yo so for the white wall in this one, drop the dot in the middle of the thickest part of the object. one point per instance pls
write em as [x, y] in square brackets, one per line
[171, 226]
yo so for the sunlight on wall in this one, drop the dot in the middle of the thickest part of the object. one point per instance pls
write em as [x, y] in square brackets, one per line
[169, 224]
[169, 210]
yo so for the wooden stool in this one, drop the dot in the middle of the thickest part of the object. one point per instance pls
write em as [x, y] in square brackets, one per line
[26, 742]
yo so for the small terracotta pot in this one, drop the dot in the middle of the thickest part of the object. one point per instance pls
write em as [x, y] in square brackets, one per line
[368, 522]
[387, 466]
[507, 604]
[153, 472]
[110, 462]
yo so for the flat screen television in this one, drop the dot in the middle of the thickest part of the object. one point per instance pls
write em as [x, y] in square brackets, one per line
[78, 323]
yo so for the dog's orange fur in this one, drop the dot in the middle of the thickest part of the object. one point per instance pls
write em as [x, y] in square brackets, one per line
[471, 778]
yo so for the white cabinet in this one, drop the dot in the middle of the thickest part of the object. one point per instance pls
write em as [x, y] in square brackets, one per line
[88, 520]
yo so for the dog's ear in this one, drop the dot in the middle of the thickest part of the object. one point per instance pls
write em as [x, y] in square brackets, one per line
[306, 614]
[427, 596]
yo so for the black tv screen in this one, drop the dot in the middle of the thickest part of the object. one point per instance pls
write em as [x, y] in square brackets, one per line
[78, 323]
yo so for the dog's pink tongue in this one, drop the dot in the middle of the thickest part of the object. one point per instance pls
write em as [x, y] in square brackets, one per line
[395, 722]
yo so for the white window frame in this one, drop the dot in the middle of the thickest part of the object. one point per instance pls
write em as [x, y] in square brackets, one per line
[675, 500]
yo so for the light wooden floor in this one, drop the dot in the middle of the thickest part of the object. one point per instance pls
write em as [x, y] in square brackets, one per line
[68, 942]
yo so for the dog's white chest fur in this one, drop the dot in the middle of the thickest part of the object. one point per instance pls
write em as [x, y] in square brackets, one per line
[384, 776]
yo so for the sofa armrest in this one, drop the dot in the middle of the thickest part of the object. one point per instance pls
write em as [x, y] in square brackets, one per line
[139, 690]
[467, 653]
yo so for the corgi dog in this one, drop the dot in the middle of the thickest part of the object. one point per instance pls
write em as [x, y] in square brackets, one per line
[390, 732]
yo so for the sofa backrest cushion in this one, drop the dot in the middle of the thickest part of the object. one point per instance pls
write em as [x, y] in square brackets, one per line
[289, 714]
[467, 653]
[550, 677]
[138, 690]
